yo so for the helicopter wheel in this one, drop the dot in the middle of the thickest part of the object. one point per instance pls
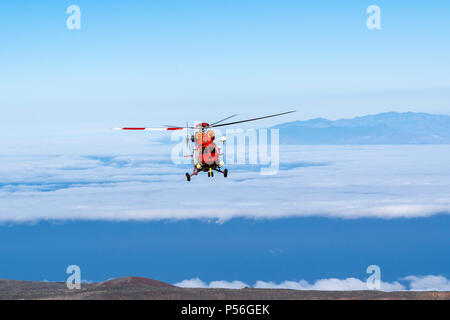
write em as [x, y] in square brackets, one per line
[188, 177]
[225, 173]
[209, 175]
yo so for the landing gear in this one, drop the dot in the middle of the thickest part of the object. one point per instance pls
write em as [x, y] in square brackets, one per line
[224, 172]
[188, 176]
[210, 173]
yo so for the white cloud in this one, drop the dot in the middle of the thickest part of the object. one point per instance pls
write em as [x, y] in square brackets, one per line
[226, 284]
[197, 283]
[191, 283]
[413, 283]
[427, 283]
[108, 183]
[349, 284]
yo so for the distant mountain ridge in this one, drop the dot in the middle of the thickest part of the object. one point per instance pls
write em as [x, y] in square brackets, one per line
[382, 128]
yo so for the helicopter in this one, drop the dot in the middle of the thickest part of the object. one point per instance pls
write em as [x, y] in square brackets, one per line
[205, 154]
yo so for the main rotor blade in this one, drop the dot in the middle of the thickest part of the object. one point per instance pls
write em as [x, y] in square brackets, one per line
[169, 126]
[217, 122]
[150, 129]
[254, 119]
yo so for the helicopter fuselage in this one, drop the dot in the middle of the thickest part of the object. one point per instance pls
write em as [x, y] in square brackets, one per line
[206, 154]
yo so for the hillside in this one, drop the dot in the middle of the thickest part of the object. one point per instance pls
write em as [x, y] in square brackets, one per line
[142, 288]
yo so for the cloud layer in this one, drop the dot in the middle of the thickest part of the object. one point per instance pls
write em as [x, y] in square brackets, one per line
[135, 180]
[413, 283]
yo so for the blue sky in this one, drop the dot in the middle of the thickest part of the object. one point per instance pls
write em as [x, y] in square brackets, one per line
[159, 61]
[74, 192]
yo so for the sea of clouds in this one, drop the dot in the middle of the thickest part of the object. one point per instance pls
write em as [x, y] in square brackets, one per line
[131, 177]
[413, 283]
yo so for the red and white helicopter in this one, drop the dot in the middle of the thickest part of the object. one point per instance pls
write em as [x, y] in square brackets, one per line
[206, 154]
